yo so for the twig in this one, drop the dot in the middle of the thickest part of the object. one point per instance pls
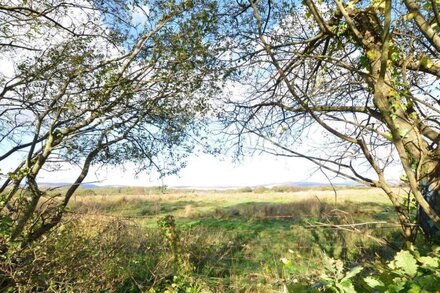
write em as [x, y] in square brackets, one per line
[319, 224]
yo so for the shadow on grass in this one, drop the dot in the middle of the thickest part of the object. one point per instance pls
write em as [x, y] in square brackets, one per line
[304, 209]
[268, 230]
[242, 244]
[134, 207]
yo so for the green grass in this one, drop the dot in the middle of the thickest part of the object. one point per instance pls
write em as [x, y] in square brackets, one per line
[236, 239]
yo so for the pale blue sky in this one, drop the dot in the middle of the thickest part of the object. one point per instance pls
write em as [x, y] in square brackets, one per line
[203, 171]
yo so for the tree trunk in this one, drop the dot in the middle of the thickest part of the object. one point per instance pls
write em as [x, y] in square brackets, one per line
[432, 196]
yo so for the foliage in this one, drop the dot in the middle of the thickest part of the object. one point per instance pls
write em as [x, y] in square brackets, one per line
[350, 86]
[408, 271]
[98, 254]
[245, 189]
[84, 255]
[88, 86]
[109, 243]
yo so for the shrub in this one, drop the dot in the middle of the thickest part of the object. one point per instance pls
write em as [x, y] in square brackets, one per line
[95, 254]
[245, 189]
[261, 189]
[286, 188]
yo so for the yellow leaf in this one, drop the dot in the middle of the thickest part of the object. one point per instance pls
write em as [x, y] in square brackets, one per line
[409, 16]
[373, 54]
[379, 4]
[426, 62]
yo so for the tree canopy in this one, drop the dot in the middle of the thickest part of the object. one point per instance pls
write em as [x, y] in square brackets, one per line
[106, 82]
[96, 82]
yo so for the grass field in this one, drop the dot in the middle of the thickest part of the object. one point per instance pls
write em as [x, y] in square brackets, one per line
[238, 241]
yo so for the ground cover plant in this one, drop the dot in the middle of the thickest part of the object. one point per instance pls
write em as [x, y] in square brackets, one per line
[221, 241]
[86, 84]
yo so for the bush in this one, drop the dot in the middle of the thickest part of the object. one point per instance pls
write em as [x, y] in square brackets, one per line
[106, 254]
[261, 189]
[245, 189]
[97, 254]
[286, 189]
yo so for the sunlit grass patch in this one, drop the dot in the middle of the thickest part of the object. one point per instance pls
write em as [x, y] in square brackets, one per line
[237, 241]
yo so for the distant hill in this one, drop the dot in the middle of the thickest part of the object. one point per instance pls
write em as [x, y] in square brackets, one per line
[269, 185]
[311, 184]
[62, 184]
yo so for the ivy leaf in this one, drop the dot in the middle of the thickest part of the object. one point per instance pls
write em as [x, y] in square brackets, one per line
[363, 61]
[414, 288]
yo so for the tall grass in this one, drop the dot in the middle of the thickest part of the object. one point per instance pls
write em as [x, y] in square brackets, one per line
[235, 242]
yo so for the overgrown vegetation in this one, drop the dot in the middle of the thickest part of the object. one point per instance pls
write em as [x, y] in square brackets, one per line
[199, 241]
[105, 83]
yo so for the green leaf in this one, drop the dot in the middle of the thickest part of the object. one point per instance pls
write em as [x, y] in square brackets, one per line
[409, 16]
[403, 133]
[388, 135]
[297, 288]
[363, 61]
[429, 261]
[347, 286]
[373, 54]
[395, 56]
[414, 288]
[353, 272]
[406, 261]
[373, 283]
[426, 62]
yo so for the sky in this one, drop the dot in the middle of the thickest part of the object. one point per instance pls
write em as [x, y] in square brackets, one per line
[203, 171]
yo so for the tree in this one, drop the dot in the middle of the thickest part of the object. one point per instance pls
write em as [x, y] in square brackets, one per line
[95, 82]
[363, 72]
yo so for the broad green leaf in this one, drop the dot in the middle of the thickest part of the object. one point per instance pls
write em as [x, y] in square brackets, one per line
[414, 288]
[347, 286]
[428, 261]
[353, 272]
[372, 282]
[406, 261]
